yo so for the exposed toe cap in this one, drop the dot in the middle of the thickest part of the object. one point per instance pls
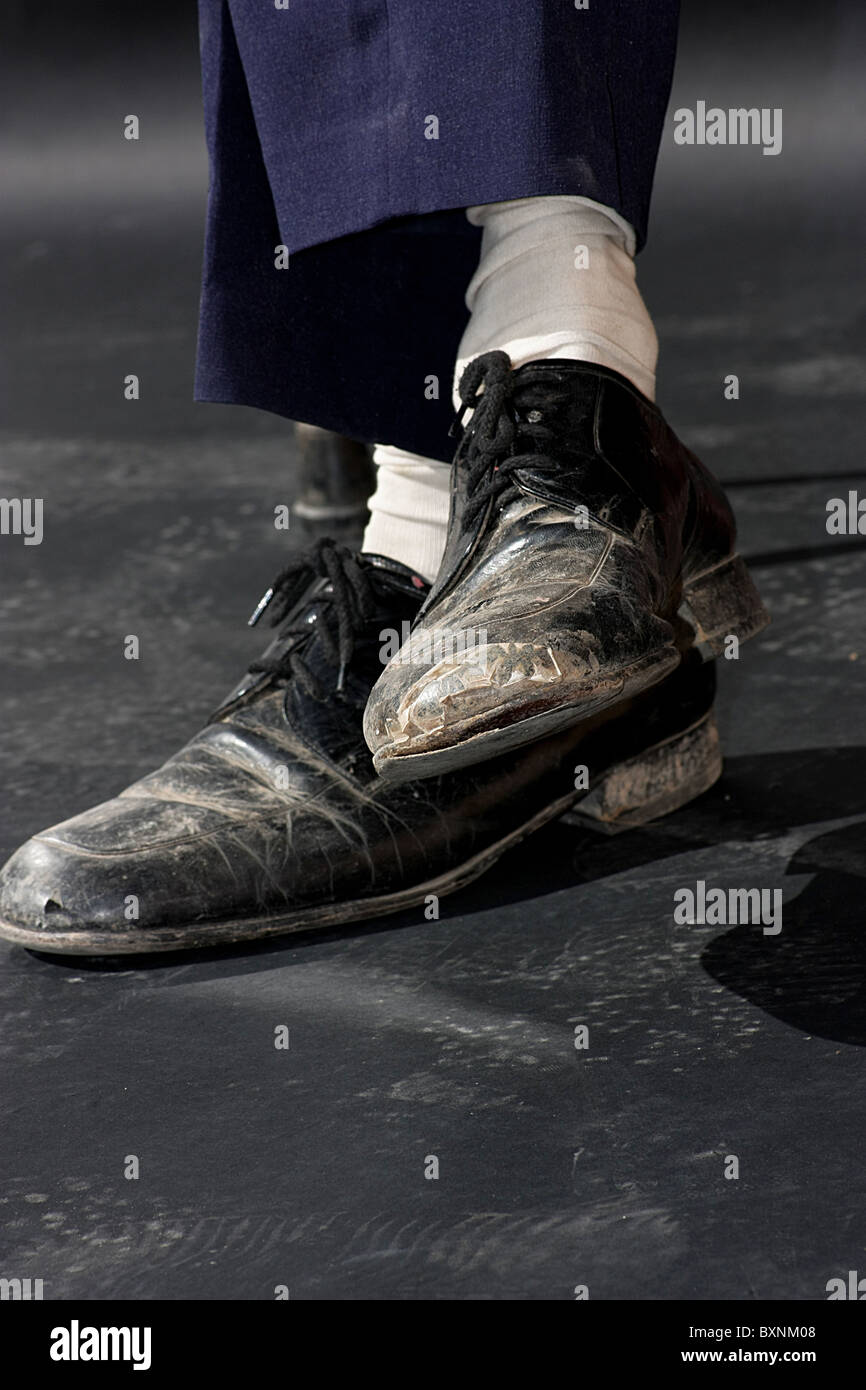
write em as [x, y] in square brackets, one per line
[42, 892]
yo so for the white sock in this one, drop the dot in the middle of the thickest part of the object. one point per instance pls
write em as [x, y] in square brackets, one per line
[533, 297]
[528, 298]
[409, 509]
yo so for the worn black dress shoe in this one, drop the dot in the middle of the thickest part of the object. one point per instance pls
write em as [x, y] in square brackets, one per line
[273, 820]
[587, 550]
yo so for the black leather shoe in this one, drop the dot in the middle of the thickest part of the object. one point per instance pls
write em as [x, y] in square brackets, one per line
[587, 550]
[272, 819]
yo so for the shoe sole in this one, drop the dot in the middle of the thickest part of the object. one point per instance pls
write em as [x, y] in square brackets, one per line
[660, 779]
[719, 604]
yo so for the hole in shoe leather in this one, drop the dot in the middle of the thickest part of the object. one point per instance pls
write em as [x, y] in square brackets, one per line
[53, 906]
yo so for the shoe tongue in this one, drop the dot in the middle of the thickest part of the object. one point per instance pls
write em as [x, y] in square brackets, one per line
[398, 587]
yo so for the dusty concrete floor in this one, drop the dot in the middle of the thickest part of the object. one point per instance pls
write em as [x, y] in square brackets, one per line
[408, 1038]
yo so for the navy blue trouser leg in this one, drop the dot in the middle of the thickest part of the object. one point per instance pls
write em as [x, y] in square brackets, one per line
[353, 133]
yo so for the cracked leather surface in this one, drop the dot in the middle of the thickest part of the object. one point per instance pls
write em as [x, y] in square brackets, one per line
[575, 579]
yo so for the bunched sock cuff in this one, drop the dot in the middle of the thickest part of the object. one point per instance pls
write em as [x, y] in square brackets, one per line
[409, 509]
[556, 278]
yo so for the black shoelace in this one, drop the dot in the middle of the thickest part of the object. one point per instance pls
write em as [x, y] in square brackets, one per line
[340, 613]
[488, 389]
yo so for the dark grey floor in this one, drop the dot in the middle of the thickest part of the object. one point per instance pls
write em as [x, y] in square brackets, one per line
[455, 1038]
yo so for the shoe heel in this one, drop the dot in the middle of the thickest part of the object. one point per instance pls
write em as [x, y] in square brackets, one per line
[722, 603]
[656, 782]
